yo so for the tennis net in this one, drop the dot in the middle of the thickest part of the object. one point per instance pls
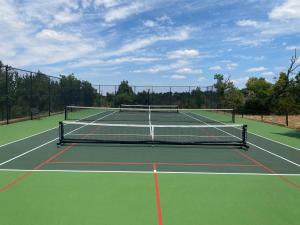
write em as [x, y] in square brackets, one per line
[153, 108]
[82, 132]
[139, 114]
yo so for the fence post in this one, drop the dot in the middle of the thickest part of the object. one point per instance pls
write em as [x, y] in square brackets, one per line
[7, 99]
[115, 96]
[287, 119]
[31, 115]
[170, 95]
[99, 89]
[152, 96]
[49, 96]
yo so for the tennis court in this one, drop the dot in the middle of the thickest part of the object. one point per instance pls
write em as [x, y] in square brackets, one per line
[140, 166]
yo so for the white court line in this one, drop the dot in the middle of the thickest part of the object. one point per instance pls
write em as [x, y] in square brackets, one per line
[9, 143]
[22, 139]
[269, 139]
[272, 153]
[33, 149]
[274, 141]
[148, 172]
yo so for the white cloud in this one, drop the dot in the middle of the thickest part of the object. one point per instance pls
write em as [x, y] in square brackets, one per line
[269, 73]
[240, 82]
[247, 23]
[288, 10]
[134, 45]
[106, 3]
[178, 77]
[292, 47]
[149, 23]
[168, 67]
[113, 61]
[186, 53]
[185, 70]
[64, 17]
[257, 69]
[53, 35]
[123, 12]
[215, 68]
[10, 19]
[231, 66]
[253, 41]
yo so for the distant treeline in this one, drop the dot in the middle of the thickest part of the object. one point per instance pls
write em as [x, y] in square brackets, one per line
[22, 91]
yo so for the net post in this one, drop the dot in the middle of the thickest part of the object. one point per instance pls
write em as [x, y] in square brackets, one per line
[61, 133]
[66, 114]
[244, 135]
[233, 116]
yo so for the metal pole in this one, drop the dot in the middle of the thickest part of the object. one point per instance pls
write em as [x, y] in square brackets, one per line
[152, 95]
[115, 96]
[99, 89]
[31, 115]
[49, 96]
[170, 95]
[7, 99]
[189, 98]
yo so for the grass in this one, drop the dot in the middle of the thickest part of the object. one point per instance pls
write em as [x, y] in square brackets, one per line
[129, 199]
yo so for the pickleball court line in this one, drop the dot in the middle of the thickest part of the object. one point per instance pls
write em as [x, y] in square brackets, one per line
[42, 145]
[253, 160]
[27, 174]
[45, 131]
[157, 196]
[148, 172]
[250, 143]
[157, 163]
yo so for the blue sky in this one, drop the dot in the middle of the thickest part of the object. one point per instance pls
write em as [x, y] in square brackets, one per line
[151, 42]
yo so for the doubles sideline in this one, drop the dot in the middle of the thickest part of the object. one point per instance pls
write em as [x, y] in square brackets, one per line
[38, 147]
[250, 143]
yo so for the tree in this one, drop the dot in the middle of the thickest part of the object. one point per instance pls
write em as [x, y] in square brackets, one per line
[258, 92]
[286, 89]
[125, 94]
[234, 98]
[221, 86]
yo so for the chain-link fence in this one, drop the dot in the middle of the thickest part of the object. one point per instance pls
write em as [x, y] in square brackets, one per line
[27, 95]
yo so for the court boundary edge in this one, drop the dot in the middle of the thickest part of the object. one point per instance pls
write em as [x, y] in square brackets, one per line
[147, 172]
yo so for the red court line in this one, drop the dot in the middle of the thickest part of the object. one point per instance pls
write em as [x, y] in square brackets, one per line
[38, 166]
[17, 180]
[158, 163]
[159, 213]
[267, 169]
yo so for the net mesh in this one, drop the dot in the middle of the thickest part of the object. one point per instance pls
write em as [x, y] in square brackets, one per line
[81, 132]
[150, 125]
[158, 115]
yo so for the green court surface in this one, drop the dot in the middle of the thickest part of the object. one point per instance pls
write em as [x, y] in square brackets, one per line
[130, 184]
